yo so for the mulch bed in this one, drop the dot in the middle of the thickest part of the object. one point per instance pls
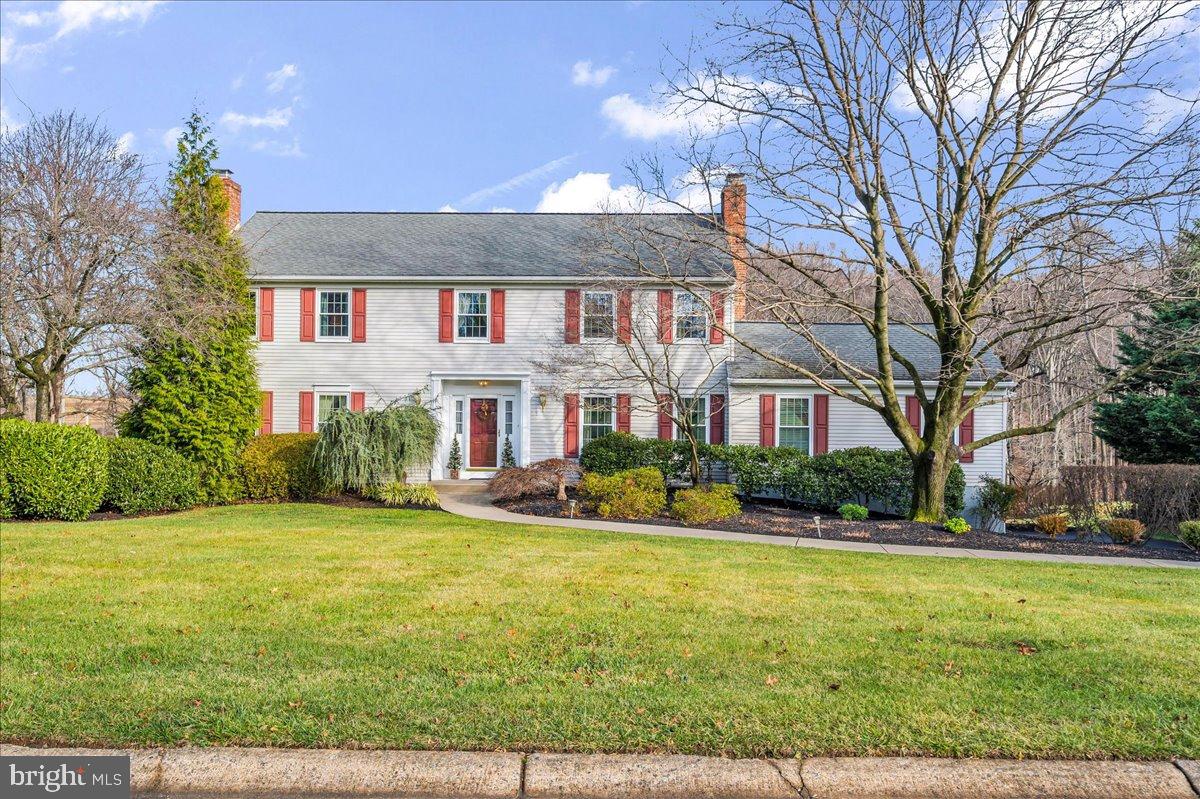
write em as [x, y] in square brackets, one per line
[764, 518]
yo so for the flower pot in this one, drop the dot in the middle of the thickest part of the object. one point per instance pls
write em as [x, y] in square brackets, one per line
[454, 474]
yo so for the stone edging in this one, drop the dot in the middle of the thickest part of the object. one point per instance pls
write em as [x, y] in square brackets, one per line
[218, 772]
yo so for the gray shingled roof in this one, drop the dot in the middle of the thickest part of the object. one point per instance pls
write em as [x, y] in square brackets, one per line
[851, 341]
[381, 245]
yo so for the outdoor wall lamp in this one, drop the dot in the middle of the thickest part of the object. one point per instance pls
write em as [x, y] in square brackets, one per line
[542, 400]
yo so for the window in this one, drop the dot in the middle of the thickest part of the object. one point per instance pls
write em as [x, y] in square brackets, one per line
[598, 417]
[508, 418]
[472, 315]
[458, 417]
[793, 423]
[334, 315]
[691, 317]
[598, 308]
[328, 403]
[696, 411]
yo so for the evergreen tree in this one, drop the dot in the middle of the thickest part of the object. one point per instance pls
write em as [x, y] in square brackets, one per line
[1154, 416]
[199, 394]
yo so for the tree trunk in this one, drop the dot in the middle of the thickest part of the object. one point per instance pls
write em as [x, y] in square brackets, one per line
[930, 471]
[694, 465]
[41, 408]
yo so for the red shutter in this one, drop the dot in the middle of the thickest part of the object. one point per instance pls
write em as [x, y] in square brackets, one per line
[766, 420]
[820, 424]
[666, 311]
[715, 335]
[497, 316]
[445, 315]
[966, 434]
[625, 316]
[358, 401]
[308, 314]
[912, 409]
[716, 419]
[571, 317]
[266, 314]
[666, 425]
[623, 404]
[358, 315]
[571, 426]
[267, 423]
[306, 411]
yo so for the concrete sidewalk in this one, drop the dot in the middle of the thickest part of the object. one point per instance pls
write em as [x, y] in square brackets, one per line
[226, 772]
[470, 499]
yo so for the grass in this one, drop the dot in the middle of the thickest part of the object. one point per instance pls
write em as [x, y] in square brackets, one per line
[310, 625]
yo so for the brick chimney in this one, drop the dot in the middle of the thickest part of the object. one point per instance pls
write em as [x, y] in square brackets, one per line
[733, 216]
[233, 193]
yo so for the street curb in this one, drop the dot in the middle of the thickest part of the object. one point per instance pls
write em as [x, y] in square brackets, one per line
[261, 772]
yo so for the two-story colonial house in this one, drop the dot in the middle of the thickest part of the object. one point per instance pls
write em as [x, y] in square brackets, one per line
[359, 310]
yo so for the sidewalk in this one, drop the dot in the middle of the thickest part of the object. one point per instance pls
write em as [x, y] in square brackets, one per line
[470, 499]
[221, 772]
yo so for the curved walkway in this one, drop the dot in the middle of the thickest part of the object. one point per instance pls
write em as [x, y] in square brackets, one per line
[470, 499]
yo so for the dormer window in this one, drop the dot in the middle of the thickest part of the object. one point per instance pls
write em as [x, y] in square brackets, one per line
[599, 314]
[471, 321]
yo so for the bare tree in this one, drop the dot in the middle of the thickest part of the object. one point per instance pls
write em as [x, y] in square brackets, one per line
[85, 244]
[988, 164]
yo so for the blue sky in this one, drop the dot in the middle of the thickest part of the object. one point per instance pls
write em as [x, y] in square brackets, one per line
[371, 106]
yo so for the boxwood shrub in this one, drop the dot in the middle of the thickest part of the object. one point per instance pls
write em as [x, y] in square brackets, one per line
[280, 466]
[631, 494]
[620, 452]
[51, 471]
[143, 476]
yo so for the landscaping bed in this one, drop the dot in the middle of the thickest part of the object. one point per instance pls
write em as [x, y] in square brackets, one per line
[767, 518]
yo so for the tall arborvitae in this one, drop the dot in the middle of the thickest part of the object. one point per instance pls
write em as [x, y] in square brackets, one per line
[1154, 417]
[199, 393]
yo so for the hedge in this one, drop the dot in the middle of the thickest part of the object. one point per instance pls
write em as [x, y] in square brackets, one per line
[51, 471]
[620, 452]
[280, 466]
[149, 477]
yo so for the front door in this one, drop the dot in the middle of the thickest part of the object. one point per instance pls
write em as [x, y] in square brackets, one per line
[483, 433]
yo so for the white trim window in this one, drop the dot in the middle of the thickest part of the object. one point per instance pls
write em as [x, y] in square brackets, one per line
[599, 418]
[508, 418]
[793, 423]
[691, 317]
[330, 401]
[698, 409]
[471, 315]
[333, 315]
[599, 315]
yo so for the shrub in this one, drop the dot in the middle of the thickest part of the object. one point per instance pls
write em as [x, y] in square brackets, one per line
[52, 471]
[996, 499]
[149, 477]
[1189, 534]
[6, 503]
[1125, 531]
[708, 503]
[620, 452]
[537, 479]
[357, 450]
[957, 525]
[280, 466]
[421, 495]
[853, 513]
[631, 494]
[1161, 495]
[1051, 524]
[508, 458]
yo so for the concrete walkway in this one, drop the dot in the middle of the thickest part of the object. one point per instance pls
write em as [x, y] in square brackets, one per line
[257, 772]
[470, 499]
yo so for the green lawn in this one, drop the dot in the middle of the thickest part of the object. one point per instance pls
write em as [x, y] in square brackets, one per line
[310, 625]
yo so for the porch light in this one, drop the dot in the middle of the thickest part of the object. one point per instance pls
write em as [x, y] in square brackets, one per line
[483, 383]
[543, 399]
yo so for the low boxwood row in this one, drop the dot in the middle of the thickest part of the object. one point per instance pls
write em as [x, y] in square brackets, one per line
[862, 475]
[145, 477]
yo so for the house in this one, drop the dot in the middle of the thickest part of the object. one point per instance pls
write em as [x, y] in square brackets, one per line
[359, 310]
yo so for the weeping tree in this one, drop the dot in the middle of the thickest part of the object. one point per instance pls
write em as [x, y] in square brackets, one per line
[358, 450]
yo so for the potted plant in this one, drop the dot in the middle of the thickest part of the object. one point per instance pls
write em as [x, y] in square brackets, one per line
[507, 458]
[455, 461]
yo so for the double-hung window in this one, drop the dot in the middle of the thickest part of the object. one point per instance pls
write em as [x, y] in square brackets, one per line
[794, 427]
[333, 321]
[328, 403]
[471, 321]
[691, 317]
[599, 309]
[695, 410]
[598, 417]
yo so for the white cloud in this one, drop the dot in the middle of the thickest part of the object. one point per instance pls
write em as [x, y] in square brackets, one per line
[126, 142]
[236, 83]
[170, 138]
[500, 209]
[7, 123]
[277, 79]
[274, 119]
[447, 209]
[593, 192]
[515, 182]
[676, 116]
[29, 19]
[68, 17]
[279, 148]
[7, 43]
[637, 120]
[583, 74]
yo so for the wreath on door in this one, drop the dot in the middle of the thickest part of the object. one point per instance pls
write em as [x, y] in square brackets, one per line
[484, 411]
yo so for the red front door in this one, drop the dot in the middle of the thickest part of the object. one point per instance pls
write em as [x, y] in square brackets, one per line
[483, 433]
